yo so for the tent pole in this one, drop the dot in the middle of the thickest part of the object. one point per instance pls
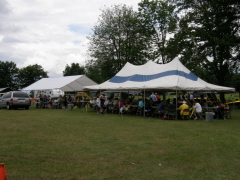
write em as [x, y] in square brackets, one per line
[176, 104]
[120, 96]
[144, 104]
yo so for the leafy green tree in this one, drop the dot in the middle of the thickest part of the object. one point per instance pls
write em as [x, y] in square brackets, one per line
[159, 21]
[209, 36]
[116, 39]
[30, 74]
[235, 82]
[8, 71]
[74, 69]
[94, 73]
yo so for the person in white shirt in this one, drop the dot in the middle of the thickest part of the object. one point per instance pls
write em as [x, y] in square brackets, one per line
[198, 109]
[55, 104]
[153, 97]
[98, 105]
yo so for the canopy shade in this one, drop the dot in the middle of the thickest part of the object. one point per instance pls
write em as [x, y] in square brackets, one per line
[67, 83]
[170, 76]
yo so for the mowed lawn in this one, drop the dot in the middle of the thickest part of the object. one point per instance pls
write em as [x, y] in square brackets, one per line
[48, 144]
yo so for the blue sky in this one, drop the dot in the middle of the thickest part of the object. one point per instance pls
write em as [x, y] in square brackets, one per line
[49, 33]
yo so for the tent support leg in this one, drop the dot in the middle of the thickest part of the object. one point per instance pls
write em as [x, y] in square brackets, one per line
[144, 104]
[176, 104]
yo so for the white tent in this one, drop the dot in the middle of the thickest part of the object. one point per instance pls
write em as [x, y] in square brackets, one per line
[171, 76]
[67, 83]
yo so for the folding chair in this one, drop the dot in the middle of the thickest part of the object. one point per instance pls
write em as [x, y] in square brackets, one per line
[139, 111]
[200, 115]
[186, 114]
[172, 113]
[158, 112]
[227, 113]
[128, 110]
[115, 109]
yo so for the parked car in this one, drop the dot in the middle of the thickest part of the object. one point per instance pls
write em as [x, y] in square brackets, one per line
[15, 99]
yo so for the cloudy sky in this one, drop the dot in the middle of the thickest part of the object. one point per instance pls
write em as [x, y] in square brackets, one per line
[50, 33]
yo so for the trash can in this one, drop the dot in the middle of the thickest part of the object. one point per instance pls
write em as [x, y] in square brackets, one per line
[70, 107]
[209, 117]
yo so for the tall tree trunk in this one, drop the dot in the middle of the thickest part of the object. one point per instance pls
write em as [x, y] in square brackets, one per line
[222, 97]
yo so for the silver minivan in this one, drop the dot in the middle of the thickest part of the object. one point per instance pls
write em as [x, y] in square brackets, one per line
[15, 99]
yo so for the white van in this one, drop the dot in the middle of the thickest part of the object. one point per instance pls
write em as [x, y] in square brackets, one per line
[15, 99]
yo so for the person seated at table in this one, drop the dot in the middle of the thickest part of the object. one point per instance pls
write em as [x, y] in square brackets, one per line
[198, 109]
[139, 110]
[219, 111]
[140, 103]
[161, 106]
[170, 107]
[148, 106]
[182, 107]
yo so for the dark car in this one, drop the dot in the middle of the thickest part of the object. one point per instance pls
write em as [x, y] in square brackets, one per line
[15, 99]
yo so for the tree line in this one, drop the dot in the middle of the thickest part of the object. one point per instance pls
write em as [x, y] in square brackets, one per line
[19, 78]
[204, 34]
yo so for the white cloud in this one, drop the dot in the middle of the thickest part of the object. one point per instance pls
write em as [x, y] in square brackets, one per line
[49, 33]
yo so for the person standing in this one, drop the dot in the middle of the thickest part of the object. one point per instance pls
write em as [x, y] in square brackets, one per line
[122, 106]
[65, 101]
[60, 102]
[69, 99]
[153, 97]
[158, 99]
[102, 100]
[98, 104]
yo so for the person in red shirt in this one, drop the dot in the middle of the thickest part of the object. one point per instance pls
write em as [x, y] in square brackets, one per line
[122, 106]
[157, 97]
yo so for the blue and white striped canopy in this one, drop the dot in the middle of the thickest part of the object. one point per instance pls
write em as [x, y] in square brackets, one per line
[171, 76]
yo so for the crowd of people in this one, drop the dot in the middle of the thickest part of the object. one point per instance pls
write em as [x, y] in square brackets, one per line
[154, 103]
[148, 105]
[46, 102]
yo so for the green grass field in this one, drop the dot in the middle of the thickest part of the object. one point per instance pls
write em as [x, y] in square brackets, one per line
[47, 144]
